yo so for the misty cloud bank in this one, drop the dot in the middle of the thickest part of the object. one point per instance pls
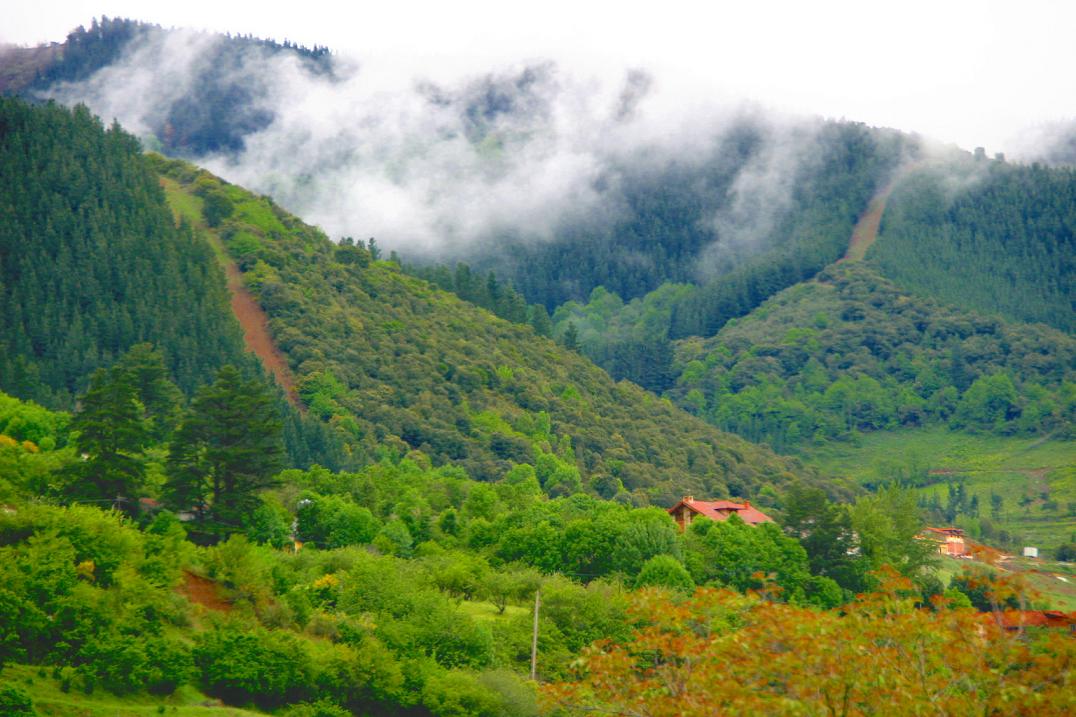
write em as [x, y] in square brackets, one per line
[439, 169]
[1051, 143]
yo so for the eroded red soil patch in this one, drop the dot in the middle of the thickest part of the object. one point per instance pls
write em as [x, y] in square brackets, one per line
[256, 336]
[203, 591]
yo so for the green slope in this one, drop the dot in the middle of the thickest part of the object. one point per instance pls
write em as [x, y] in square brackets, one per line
[91, 262]
[851, 352]
[51, 699]
[390, 360]
[1035, 478]
[987, 236]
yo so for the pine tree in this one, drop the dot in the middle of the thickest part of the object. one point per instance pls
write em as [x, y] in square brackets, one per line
[540, 321]
[570, 338]
[228, 448]
[161, 399]
[111, 436]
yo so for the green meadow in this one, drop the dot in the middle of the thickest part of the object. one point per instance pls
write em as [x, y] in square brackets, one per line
[1035, 477]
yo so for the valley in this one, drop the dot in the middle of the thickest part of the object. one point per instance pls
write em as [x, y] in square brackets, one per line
[250, 465]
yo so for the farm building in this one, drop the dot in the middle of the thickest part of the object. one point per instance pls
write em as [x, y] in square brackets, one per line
[950, 541]
[686, 510]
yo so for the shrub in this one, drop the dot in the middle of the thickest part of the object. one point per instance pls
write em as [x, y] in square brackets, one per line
[665, 571]
[14, 702]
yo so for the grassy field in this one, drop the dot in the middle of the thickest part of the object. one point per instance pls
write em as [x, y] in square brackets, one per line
[1036, 478]
[1047, 585]
[487, 612]
[1054, 584]
[49, 700]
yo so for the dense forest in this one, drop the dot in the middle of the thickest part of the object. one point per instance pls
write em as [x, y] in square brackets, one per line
[673, 228]
[393, 363]
[986, 235]
[91, 261]
[685, 221]
[667, 235]
[851, 352]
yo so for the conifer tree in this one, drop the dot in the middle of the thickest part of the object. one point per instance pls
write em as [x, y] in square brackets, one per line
[227, 448]
[161, 398]
[111, 436]
[570, 338]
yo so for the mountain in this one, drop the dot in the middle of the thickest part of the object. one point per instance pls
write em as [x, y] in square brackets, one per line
[91, 262]
[216, 105]
[395, 363]
[380, 361]
[555, 192]
[851, 352]
[986, 235]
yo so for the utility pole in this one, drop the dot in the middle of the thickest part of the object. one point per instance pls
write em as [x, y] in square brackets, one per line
[534, 637]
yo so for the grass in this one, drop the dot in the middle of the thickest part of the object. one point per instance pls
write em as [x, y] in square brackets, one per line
[185, 205]
[50, 700]
[486, 612]
[1049, 585]
[1041, 473]
[1053, 592]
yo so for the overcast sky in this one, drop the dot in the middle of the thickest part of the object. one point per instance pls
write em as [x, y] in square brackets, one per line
[970, 72]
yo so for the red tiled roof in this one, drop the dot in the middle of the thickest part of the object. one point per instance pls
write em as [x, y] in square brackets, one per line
[1015, 619]
[946, 531]
[722, 509]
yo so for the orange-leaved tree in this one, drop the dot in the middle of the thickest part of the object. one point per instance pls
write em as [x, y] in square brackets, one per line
[723, 653]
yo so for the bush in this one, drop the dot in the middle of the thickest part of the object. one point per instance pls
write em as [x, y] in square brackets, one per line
[321, 708]
[14, 702]
[240, 666]
[665, 571]
[459, 694]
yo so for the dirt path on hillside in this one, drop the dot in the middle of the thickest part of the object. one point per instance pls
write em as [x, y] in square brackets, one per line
[256, 336]
[252, 318]
[866, 229]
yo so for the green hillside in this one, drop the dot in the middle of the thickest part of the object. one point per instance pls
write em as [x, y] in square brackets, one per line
[91, 262]
[1034, 479]
[851, 352]
[396, 364]
[987, 236]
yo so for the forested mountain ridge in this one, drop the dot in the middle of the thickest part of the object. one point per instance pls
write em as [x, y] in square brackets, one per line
[753, 203]
[216, 110]
[853, 352]
[691, 220]
[390, 360]
[91, 262]
[986, 235]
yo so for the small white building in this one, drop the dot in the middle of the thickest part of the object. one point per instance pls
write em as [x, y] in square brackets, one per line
[1031, 552]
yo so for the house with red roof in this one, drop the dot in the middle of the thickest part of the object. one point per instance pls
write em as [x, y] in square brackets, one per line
[688, 508]
[950, 541]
